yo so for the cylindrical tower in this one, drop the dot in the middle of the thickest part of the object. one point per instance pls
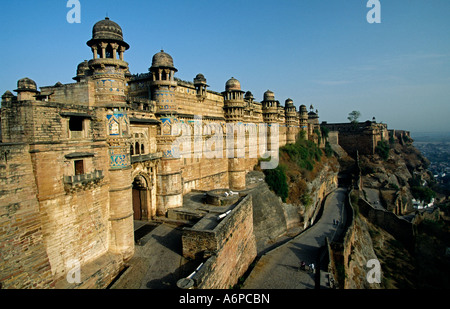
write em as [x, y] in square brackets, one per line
[26, 89]
[303, 119]
[291, 121]
[163, 82]
[169, 189]
[234, 105]
[270, 107]
[200, 85]
[108, 67]
[108, 70]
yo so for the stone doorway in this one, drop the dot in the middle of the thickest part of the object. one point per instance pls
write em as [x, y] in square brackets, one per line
[140, 198]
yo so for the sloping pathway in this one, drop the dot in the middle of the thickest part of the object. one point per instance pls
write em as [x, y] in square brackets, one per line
[279, 268]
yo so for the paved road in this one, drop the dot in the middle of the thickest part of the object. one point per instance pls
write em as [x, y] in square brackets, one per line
[279, 269]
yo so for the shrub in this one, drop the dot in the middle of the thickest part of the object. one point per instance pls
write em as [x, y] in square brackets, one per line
[304, 153]
[423, 193]
[328, 150]
[382, 149]
[277, 181]
[306, 199]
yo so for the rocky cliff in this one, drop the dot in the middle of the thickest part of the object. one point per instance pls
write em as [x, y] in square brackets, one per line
[410, 249]
[389, 182]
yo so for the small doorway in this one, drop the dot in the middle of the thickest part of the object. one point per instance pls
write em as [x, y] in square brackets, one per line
[140, 198]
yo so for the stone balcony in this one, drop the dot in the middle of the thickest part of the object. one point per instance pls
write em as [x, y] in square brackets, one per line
[82, 181]
[146, 157]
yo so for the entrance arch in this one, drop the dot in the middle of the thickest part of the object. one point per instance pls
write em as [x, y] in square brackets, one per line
[140, 198]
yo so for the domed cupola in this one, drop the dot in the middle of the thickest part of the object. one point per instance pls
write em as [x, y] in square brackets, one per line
[82, 71]
[163, 60]
[107, 40]
[269, 96]
[26, 89]
[270, 107]
[162, 69]
[163, 83]
[107, 30]
[26, 84]
[200, 86]
[232, 85]
[234, 103]
[107, 69]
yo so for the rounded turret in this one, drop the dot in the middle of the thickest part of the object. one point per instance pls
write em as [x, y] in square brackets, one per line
[107, 31]
[233, 84]
[82, 71]
[26, 84]
[26, 89]
[107, 67]
[162, 60]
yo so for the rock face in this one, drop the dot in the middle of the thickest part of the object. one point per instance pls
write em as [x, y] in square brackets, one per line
[392, 177]
[361, 252]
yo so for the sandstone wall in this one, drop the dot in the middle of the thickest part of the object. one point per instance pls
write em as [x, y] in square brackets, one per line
[397, 227]
[24, 262]
[229, 246]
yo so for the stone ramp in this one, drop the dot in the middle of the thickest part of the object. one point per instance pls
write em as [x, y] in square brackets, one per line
[158, 263]
[279, 268]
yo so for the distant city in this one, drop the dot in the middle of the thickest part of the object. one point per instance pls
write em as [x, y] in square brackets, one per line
[435, 146]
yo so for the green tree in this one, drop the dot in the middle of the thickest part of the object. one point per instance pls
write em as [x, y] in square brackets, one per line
[382, 149]
[277, 181]
[423, 194]
[354, 116]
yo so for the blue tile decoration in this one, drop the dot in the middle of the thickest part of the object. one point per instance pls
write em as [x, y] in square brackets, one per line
[119, 158]
[117, 124]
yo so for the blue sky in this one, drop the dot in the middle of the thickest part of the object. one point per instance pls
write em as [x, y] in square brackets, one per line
[321, 52]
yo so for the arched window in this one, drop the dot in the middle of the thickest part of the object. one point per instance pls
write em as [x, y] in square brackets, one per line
[142, 149]
[131, 150]
[137, 147]
[109, 51]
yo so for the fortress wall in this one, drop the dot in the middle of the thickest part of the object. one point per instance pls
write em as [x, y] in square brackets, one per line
[230, 247]
[188, 103]
[205, 174]
[76, 228]
[81, 93]
[401, 229]
[23, 257]
[16, 121]
[354, 141]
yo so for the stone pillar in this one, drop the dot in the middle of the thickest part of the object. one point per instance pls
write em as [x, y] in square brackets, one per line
[103, 47]
[94, 52]
[114, 46]
[121, 51]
